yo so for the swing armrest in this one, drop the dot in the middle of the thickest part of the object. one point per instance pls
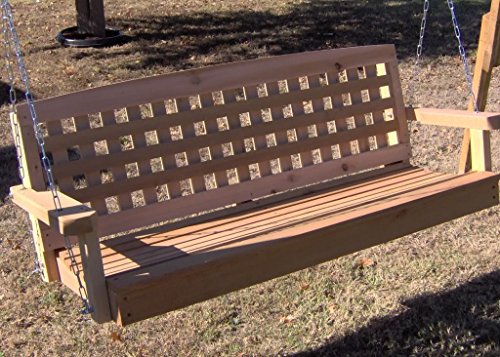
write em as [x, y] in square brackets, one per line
[73, 219]
[455, 118]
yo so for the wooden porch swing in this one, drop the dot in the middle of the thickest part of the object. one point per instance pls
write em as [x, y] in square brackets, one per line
[261, 167]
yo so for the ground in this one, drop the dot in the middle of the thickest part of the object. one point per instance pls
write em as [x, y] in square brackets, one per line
[436, 292]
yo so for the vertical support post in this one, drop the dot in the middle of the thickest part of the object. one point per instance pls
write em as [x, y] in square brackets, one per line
[487, 58]
[480, 150]
[33, 178]
[93, 273]
[90, 17]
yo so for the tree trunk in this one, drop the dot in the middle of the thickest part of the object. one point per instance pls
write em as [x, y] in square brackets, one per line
[90, 17]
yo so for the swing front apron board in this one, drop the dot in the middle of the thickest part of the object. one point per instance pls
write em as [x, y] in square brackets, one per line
[261, 168]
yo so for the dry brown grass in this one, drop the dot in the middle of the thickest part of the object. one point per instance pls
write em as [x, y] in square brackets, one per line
[435, 292]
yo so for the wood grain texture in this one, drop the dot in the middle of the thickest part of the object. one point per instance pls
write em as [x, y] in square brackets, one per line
[488, 57]
[72, 219]
[204, 80]
[210, 272]
[455, 118]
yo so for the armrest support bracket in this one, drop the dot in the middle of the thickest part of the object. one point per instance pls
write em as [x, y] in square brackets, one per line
[73, 219]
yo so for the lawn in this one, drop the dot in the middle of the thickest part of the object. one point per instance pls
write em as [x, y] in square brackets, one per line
[435, 292]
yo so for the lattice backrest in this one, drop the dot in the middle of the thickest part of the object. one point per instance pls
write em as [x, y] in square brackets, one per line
[156, 148]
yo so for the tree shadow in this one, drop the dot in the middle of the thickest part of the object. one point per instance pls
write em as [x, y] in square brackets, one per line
[202, 38]
[5, 95]
[463, 321]
[9, 173]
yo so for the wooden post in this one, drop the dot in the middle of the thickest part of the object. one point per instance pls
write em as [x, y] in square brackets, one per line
[33, 178]
[93, 272]
[90, 17]
[488, 57]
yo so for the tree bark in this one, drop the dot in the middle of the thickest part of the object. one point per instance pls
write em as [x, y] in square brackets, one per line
[90, 17]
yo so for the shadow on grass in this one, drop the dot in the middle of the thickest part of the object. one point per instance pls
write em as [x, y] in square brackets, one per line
[5, 96]
[9, 175]
[180, 40]
[456, 322]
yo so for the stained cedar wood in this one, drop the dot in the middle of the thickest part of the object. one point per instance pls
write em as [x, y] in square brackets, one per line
[359, 118]
[315, 207]
[204, 80]
[399, 112]
[249, 190]
[73, 218]
[86, 151]
[95, 281]
[340, 193]
[377, 115]
[221, 137]
[212, 127]
[165, 121]
[237, 146]
[192, 155]
[33, 178]
[488, 57]
[455, 118]
[318, 105]
[200, 276]
[337, 103]
[280, 136]
[133, 252]
[124, 254]
[302, 133]
[207, 167]
[218, 262]
[144, 165]
[259, 141]
[480, 143]
[153, 213]
[119, 172]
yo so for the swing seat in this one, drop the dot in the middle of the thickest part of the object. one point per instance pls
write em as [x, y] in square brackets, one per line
[182, 187]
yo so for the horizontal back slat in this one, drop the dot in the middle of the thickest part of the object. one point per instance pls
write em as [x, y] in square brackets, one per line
[219, 77]
[191, 117]
[208, 138]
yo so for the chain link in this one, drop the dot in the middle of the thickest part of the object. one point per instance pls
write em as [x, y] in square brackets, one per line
[417, 65]
[462, 52]
[12, 95]
[12, 45]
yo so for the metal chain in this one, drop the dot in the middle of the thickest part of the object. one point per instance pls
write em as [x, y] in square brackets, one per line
[37, 269]
[9, 21]
[12, 94]
[10, 37]
[463, 55]
[417, 64]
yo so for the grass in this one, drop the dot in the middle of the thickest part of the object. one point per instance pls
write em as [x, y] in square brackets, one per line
[435, 292]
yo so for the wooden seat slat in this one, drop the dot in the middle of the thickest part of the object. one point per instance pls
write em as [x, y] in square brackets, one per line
[137, 250]
[315, 240]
